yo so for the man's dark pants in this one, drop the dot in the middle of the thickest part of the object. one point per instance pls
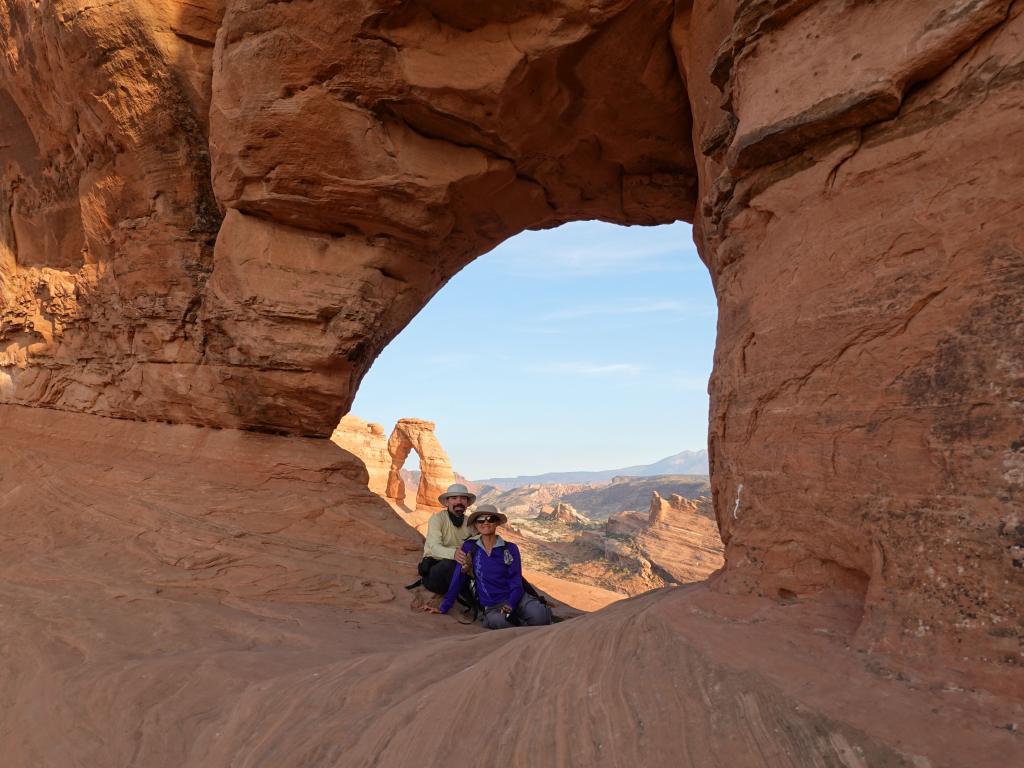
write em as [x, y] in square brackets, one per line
[437, 574]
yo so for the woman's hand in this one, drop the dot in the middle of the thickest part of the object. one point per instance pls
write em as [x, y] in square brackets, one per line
[430, 609]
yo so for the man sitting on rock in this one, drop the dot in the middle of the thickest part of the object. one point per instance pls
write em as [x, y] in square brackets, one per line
[498, 570]
[446, 530]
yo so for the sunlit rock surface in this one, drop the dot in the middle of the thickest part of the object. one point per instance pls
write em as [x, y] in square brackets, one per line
[367, 442]
[563, 513]
[218, 214]
[681, 538]
[215, 597]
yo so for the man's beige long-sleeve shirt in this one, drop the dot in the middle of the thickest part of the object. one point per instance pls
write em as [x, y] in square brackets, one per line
[443, 538]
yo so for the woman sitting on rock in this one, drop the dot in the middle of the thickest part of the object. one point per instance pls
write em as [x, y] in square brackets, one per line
[498, 571]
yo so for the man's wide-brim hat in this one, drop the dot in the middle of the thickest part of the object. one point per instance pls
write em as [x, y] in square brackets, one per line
[457, 489]
[487, 509]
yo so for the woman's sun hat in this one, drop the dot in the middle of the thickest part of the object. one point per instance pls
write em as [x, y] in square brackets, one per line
[486, 509]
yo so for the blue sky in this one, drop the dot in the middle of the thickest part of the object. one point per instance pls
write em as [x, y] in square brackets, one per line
[584, 347]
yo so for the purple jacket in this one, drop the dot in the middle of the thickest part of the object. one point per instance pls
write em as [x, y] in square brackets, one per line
[499, 576]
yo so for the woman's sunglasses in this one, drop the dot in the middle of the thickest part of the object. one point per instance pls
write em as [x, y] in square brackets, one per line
[486, 519]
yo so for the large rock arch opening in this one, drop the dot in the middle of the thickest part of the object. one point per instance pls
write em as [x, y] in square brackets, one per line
[853, 174]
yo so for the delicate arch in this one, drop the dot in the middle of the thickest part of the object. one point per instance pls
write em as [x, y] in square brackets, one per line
[435, 470]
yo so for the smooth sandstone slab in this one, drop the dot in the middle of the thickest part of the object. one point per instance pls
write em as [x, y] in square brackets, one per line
[182, 596]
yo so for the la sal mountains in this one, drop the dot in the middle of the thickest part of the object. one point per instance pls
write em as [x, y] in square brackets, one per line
[682, 463]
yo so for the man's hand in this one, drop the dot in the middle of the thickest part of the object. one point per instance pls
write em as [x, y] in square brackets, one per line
[463, 559]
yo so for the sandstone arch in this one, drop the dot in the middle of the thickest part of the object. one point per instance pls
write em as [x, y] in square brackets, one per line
[852, 172]
[435, 470]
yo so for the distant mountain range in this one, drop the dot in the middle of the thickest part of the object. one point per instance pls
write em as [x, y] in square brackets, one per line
[595, 500]
[683, 463]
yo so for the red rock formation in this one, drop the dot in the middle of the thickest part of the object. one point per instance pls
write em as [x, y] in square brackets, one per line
[134, 554]
[625, 523]
[563, 513]
[435, 470]
[861, 189]
[366, 441]
[681, 538]
[107, 215]
[347, 203]
[856, 195]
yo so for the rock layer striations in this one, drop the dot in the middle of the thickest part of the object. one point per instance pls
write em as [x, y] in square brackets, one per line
[681, 538]
[860, 194]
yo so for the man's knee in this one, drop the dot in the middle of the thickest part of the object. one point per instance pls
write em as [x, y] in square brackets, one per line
[439, 576]
[533, 612]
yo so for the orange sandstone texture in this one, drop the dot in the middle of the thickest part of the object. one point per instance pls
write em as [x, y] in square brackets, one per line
[861, 198]
[681, 538]
[366, 441]
[107, 213]
[218, 214]
[361, 154]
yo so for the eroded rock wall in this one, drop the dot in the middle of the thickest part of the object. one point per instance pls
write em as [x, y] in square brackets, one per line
[361, 152]
[391, 143]
[861, 198]
[107, 214]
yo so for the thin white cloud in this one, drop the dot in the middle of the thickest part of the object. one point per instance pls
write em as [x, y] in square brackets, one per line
[450, 358]
[602, 253]
[587, 369]
[542, 331]
[595, 262]
[636, 307]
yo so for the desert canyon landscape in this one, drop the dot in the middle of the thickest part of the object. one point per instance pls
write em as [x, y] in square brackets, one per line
[627, 539]
[215, 214]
